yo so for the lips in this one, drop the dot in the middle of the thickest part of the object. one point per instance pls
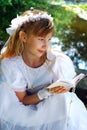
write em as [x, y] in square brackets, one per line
[41, 51]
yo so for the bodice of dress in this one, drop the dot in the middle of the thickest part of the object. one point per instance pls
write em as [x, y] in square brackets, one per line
[22, 77]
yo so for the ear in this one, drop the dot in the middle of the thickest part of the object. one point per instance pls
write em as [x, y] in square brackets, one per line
[23, 36]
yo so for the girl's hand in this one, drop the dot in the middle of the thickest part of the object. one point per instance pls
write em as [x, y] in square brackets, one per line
[59, 89]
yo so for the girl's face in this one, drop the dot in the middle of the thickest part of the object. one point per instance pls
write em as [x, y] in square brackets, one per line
[38, 45]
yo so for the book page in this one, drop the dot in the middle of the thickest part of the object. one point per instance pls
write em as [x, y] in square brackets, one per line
[77, 79]
[68, 84]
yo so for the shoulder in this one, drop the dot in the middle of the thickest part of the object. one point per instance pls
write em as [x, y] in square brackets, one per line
[10, 61]
[57, 55]
[10, 64]
[62, 64]
[60, 59]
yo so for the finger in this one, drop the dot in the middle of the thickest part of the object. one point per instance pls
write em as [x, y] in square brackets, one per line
[60, 91]
[57, 89]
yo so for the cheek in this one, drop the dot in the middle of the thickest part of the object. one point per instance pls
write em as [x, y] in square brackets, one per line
[36, 45]
[32, 46]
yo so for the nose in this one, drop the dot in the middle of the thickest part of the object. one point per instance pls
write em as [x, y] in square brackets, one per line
[45, 44]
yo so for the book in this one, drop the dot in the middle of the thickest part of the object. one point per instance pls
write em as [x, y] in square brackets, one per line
[68, 83]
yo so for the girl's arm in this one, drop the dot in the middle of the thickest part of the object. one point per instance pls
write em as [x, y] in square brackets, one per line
[42, 94]
[26, 99]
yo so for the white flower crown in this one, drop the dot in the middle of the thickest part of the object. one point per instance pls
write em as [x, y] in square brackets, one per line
[19, 20]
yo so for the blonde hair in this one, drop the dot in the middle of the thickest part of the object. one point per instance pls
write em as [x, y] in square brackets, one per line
[40, 27]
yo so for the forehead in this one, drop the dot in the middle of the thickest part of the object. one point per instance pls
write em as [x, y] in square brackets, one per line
[46, 35]
[49, 35]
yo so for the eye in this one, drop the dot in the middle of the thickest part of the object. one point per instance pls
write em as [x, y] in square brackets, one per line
[49, 39]
[41, 39]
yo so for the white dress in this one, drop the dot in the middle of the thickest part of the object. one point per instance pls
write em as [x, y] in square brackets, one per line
[57, 112]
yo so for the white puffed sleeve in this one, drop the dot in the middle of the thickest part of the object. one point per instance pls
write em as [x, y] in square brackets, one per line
[12, 75]
[65, 67]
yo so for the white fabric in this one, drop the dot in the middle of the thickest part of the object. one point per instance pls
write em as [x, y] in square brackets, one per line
[54, 113]
[19, 75]
[43, 94]
[20, 20]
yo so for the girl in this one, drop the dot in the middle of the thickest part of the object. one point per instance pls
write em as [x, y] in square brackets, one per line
[28, 66]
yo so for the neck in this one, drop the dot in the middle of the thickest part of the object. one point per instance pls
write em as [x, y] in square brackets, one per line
[33, 61]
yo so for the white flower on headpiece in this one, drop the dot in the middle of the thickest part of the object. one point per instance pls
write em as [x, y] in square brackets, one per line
[19, 20]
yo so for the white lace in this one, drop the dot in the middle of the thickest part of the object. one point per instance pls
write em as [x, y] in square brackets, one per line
[19, 20]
